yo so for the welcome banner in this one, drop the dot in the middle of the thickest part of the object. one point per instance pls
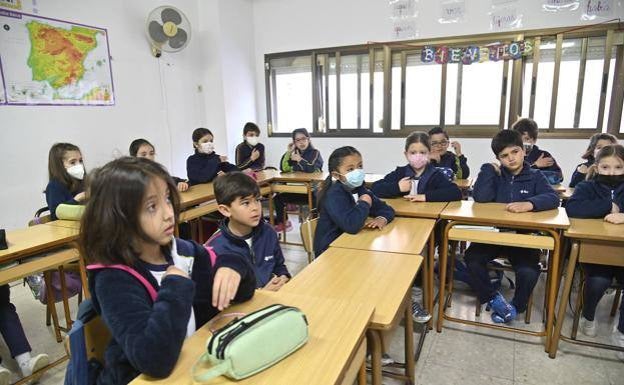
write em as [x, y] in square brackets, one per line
[476, 54]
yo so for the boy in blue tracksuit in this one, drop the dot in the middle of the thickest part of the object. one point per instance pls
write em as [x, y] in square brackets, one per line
[243, 232]
[601, 196]
[524, 189]
[442, 158]
[535, 156]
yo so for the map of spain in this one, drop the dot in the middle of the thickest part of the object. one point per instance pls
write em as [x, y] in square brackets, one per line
[48, 61]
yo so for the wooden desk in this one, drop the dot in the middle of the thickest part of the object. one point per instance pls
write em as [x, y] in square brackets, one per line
[381, 279]
[35, 239]
[594, 241]
[197, 194]
[64, 223]
[404, 208]
[550, 222]
[336, 332]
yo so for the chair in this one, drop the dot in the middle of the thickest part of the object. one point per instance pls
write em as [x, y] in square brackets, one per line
[39, 219]
[307, 230]
[579, 304]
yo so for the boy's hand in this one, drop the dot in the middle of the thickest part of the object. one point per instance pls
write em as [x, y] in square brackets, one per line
[542, 162]
[377, 223]
[80, 197]
[434, 155]
[223, 158]
[172, 270]
[290, 147]
[519, 207]
[276, 283]
[614, 208]
[224, 287]
[615, 218]
[183, 186]
[416, 198]
[457, 147]
[366, 198]
[295, 156]
[496, 168]
[255, 154]
[405, 184]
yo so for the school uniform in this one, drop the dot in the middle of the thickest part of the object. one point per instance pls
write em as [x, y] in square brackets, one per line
[260, 248]
[11, 326]
[148, 336]
[203, 168]
[432, 183]
[340, 212]
[57, 193]
[592, 199]
[535, 153]
[243, 156]
[459, 164]
[528, 186]
[577, 176]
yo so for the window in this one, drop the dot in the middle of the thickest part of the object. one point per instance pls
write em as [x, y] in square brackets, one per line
[422, 92]
[291, 90]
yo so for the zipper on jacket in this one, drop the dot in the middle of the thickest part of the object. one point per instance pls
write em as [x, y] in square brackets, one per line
[511, 188]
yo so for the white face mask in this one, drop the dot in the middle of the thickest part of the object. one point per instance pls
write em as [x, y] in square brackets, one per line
[77, 171]
[251, 140]
[206, 148]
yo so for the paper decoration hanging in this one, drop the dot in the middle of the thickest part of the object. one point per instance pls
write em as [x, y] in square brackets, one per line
[474, 54]
[403, 14]
[594, 9]
[504, 15]
[560, 5]
[452, 11]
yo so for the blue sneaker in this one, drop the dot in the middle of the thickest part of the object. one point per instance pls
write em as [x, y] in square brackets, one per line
[502, 309]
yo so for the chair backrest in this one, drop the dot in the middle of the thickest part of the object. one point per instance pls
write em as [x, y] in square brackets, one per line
[39, 219]
[308, 229]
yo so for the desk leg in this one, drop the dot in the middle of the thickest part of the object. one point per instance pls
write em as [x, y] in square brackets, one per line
[310, 203]
[375, 344]
[430, 290]
[68, 320]
[362, 374]
[442, 263]
[83, 277]
[554, 344]
[409, 341]
[552, 290]
[271, 217]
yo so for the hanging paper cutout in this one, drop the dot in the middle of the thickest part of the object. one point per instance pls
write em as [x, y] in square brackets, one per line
[403, 14]
[473, 54]
[593, 9]
[560, 5]
[452, 11]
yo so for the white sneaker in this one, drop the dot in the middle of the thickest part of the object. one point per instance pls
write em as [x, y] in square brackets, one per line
[5, 375]
[36, 363]
[385, 359]
[617, 338]
[417, 293]
[588, 327]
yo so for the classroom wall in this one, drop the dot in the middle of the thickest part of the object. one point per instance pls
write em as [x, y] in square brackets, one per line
[288, 25]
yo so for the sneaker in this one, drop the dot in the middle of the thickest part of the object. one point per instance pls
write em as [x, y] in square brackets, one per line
[617, 338]
[504, 311]
[36, 363]
[419, 314]
[5, 376]
[280, 227]
[588, 327]
[417, 294]
[385, 359]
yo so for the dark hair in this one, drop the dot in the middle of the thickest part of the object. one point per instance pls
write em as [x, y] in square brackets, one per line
[616, 150]
[593, 141]
[110, 227]
[438, 130]
[300, 131]
[504, 139]
[56, 169]
[335, 160]
[418, 137]
[251, 127]
[232, 185]
[136, 144]
[199, 133]
[526, 125]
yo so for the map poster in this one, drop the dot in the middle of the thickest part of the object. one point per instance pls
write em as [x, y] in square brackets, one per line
[46, 61]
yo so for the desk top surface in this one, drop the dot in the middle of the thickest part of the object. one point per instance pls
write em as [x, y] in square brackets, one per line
[33, 239]
[596, 229]
[404, 208]
[335, 328]
[372, 277]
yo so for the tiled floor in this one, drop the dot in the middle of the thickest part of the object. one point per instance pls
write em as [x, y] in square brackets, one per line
[459, 355]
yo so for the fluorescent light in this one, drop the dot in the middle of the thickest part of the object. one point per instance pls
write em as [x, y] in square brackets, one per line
[566, 44]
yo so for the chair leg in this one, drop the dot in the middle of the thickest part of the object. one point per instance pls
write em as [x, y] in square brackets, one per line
[527, 314]
[51, 305]
[577, 310]
[48, 317]
[616, 302]
[478, 308]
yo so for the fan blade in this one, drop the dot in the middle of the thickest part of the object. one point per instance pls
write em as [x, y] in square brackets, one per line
[179, 39]
[170, 14]
[156, 32]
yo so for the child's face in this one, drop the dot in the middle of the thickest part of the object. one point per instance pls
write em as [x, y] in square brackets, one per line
[512, 158]
[251, 138]
[439, 143]
[527, 139]
[301, 141]
[245, 211]
[417, 155]
[204, 139]
[348, 164]
[600, 144]
[416, 148]
[156, 216]
[611, 165]
[146, 151]
[71, 158]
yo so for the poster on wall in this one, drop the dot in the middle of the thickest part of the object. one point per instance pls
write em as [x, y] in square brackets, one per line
[504, 15]
[403, 14]
[597, 9]
[560, 5]
[452, 11]
[45, 61]
[11, 4]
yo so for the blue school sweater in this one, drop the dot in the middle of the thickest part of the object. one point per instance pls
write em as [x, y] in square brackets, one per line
[243, 156]
[340, 213]
[432, 182]
[312, 161]
[203, 168]
[592, 199]
[578, 177]
[528, 186]
[458, 164]
[147, 336]
[265, 253]
[57, 193]
[534, 155]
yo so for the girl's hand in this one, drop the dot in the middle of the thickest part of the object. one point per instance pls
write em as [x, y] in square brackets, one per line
[416, 198]
[615, 218]
[224, 287]
[377, 223]
[405, 184]
[183, 186]
[80, 197]
[172, 270]
[276, 283]
[519, 207]
[582, 169]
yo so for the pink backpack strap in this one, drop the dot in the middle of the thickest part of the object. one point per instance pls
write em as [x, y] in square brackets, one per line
[213, 255]
[148, 286]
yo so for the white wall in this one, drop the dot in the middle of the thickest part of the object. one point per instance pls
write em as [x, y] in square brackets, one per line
[288, 25]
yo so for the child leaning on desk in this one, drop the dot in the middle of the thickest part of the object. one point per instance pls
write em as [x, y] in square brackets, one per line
[524, 189]
[601, 196]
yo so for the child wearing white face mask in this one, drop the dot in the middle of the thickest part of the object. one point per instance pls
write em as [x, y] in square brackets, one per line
[205, 164]
[250, 153]
[66, 173]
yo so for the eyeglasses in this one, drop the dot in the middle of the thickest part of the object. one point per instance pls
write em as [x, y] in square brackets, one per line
[299, 140]
[442, 143]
